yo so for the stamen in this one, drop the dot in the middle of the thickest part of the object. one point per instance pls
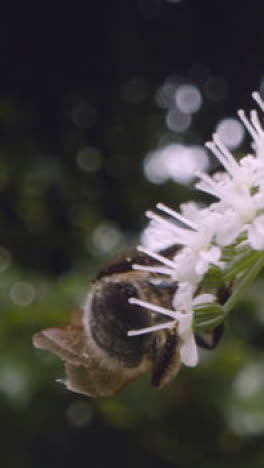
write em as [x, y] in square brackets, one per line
[150, 306]
[219, 155]
[256, 122]
[152, 269]
[162, 326]
[177, 216]
[229, 158]
[211, 188]
[247, 124]
[258, 100]
[183, 236]
[156, 234]
[200, 186]
[158, 257]
[162, 221]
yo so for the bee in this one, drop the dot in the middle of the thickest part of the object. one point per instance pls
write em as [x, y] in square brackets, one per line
[99, 356]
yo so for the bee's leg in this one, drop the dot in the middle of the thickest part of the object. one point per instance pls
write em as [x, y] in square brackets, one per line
[165, 358]
[210, 339]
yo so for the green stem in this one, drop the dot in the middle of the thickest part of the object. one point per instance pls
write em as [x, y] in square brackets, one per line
[208, 316]
[243, 284]
[243, 263]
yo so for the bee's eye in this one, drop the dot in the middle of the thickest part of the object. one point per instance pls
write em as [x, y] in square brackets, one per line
[112, 317]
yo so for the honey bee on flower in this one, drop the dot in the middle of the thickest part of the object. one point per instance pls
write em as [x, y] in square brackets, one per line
[148, 311]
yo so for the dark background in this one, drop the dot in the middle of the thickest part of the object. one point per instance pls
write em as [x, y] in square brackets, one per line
[80, 75]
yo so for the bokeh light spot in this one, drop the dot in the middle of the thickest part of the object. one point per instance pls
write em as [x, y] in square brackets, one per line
[188, 98]
[178, 121]
[231, 132]
[164, 96]
[13, 383]
[79, 413]
[177, 162]
[249, 382]
[106, 237]
[183, 164]
[22, 293]
[89, 159]
[154, 169]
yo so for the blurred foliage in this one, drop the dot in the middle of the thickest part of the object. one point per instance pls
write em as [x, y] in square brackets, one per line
[77, 116]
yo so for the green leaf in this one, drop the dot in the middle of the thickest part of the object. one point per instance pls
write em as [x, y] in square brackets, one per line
[213, 279]
[241, 262]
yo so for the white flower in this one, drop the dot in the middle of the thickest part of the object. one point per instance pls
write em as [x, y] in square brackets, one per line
[241, 189]
[191, 265]
[193, 261]
[256, 233]
[182, 320]
[206, 257]
[188, 351]
[184, 269]
[231, 188]
[184, 302]
[202, 232]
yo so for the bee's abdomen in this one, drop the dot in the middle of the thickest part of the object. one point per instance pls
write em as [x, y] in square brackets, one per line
[112, 317]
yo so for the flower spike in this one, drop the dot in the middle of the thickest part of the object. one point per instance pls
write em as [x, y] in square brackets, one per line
[235, 221]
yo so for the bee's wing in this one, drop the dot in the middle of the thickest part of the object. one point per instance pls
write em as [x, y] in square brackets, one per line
[95, 381]
[85, 373]
[65, 342]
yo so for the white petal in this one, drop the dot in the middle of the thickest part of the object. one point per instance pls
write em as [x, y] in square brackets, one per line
[256, 233]
[248, 162]
[182, 299]
[212, 255]
[184, 324]
[191, 210]
[202, 266]
[204, 299]
[259, 198]
[229, 229]
[156, 237]
[189, 353]
[184, 269]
